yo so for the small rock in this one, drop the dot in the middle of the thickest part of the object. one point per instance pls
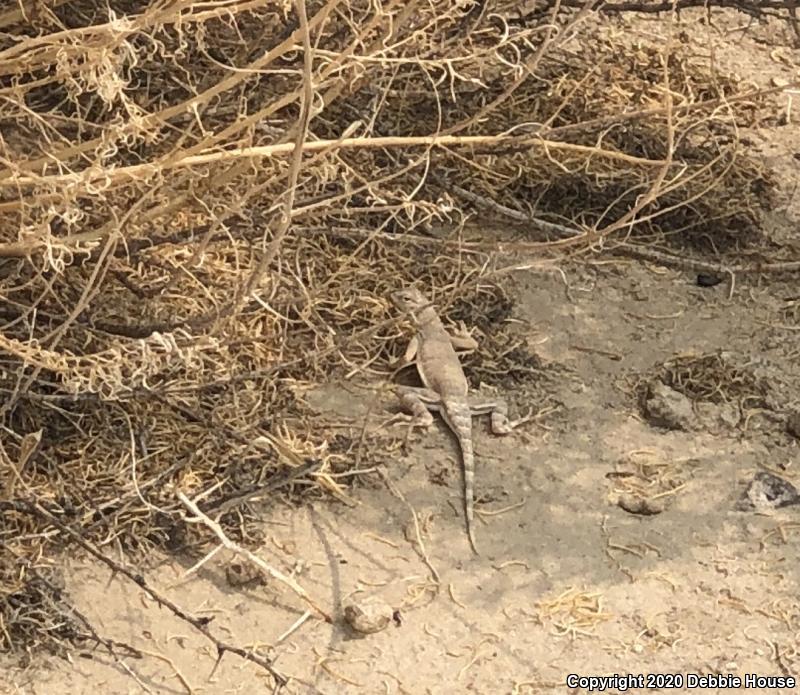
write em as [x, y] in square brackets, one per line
[243, 575]
[633, 504]
[368, 616]
[793, 424]
[767, 491]
[708, 280]
[667, 408]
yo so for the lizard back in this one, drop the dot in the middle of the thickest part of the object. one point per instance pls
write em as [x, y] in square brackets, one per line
[437, 362]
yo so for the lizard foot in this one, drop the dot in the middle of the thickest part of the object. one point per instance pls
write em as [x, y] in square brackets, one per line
[410, 421]
[502, 425]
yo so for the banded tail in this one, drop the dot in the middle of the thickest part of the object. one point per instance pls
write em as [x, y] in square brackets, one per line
[459, 418]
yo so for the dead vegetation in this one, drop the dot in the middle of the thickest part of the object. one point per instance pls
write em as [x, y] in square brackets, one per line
[716, 378]
[203, 207]
[644, 482]
[720, 378]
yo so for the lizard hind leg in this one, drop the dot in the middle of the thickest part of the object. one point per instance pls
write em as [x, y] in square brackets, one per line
[419, 402]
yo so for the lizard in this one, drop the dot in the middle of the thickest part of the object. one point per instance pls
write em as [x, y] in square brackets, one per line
[446, 389]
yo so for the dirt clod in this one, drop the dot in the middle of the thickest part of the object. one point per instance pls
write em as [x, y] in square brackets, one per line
[633, 504]
[793, 424]
[669, 409]
[719, 416]
[369, 616]
[242, 575]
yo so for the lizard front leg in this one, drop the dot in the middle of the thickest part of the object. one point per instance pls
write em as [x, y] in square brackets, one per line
[462, 339]
[499, 412]
[409, 357]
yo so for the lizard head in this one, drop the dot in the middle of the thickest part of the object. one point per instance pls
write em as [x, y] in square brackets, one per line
[409, 299]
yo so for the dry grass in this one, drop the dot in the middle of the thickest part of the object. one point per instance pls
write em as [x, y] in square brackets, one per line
[198, 215]
[720, 378]
[574, 612]
[643, 481]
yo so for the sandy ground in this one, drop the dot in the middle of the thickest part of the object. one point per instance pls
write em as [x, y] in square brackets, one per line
[568, 582]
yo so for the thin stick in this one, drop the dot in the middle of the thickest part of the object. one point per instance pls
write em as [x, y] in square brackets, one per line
[257, 561]
[199, 624]
[297, 158]
[142, 171]
[421, 545]
[294, 626]
[622, 248]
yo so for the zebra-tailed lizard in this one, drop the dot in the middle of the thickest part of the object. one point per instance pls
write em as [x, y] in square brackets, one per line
[445, 388]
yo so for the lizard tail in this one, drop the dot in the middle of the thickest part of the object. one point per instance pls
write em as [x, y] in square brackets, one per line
[469, 494]
[468, 461]
[459, 418]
